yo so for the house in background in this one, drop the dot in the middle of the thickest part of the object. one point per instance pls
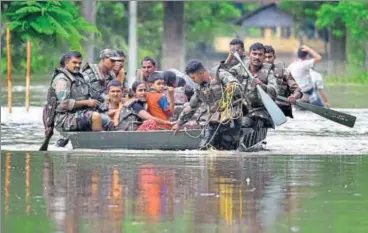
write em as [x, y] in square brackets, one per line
[271, 26]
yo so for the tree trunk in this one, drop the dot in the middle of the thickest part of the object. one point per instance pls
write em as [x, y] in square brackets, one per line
[173, 48]
[89, 8]
[336, 53]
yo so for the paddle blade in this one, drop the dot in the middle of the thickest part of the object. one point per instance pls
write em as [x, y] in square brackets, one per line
[338, 117]
[45, 144]
[277, 116]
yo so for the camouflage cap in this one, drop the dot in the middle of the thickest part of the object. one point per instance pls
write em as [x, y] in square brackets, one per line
[109, 53]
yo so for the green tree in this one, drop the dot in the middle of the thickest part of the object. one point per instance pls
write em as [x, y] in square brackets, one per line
[49, 25]
[354, 16]
[304, 13]
[49, 20]
[345, 23]
[203, 22]
[112, 22]
[206, 20]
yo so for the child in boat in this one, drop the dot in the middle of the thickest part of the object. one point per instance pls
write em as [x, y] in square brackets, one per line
[133, 114]
[158, 104]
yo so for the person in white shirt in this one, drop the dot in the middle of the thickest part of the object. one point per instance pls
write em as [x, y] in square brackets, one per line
[300, 70]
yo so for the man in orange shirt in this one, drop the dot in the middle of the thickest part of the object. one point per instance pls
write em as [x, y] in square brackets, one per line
[158, 104]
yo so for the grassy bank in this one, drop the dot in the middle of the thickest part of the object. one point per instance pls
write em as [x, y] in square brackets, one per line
[353, 79]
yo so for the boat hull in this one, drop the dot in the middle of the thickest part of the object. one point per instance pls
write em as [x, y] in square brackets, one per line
[151, 140]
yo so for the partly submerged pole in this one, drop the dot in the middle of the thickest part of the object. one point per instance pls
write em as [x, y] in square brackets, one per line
[132, 53]
[28, 75]
[28, 183]
[9, 68]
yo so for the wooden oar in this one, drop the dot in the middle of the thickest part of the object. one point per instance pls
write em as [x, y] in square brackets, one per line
[338, 117]
[277, 116]
[45, 143]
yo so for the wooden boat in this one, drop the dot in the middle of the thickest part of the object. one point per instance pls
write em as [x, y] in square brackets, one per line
[153, 140]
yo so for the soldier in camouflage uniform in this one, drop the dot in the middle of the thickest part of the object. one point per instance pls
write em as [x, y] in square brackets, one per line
[263, 75]
[75, 110]
[287, 85]
[99, 75]
[223, 128]
[236, 45]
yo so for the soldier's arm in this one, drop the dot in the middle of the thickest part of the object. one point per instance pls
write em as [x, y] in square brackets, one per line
[188, 112]
[230, 82]
[227, 77]
[94, 86]
[62, 91]
[271, 86]
[225, 64]
[293, 86]
[237, 70]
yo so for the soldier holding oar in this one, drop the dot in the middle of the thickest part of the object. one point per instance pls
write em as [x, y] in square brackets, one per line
[259, 84]
[287, 86]
[274, 111]
[69, 106]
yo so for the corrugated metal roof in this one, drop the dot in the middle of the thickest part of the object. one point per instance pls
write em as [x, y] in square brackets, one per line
[267, 16]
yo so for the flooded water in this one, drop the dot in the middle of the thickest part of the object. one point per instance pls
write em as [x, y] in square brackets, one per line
[307, 133]
[309, 177]
[80, 192]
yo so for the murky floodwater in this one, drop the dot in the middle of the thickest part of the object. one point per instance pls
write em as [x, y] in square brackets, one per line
[159, 193]
[321, 187]
[307, 133]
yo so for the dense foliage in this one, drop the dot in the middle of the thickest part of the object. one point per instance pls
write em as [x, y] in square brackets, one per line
[342, 18]
[55, 27]
[49, 25]
[354, 17]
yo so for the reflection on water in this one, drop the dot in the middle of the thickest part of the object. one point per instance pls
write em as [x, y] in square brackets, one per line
[161, 193]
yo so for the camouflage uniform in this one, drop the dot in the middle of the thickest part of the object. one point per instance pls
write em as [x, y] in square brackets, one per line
[287, 86]
[98, 84]
[257, 114]
[180, 99]
[244, 58]
[70, 88]
[223, 128]
[128, 119]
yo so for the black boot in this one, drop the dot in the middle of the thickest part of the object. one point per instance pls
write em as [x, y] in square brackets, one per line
[62, 142]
